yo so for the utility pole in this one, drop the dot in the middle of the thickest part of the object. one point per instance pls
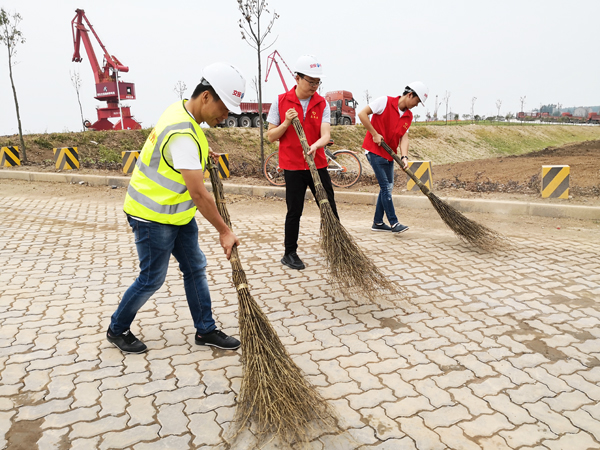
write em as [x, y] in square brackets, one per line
[446, 99]
[473, 100]
[498, 105]
[436, 107]
[522, 103]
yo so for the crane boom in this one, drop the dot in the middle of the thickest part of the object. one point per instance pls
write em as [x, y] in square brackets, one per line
[108, 86]
[270, 60]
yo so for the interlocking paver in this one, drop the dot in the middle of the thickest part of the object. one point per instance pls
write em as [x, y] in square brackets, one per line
[205, 429]
[168, 443]
[527, 435]
[486, 425]
[141, 411]
[576, 381]
[475, 405]
[491, 351]
[454, 378]
[572, 441]
[61, 420]
[98, 427]
[129, 437]
[445, 416]
[454, 437]
[385, 428]
[436, 396]
[407, 407]
[424, 438]
[529, 393]
[583, 420]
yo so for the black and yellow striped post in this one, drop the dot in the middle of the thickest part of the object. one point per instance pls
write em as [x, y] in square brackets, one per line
[66, 158]
[555, 181]
[222, 165]
[129, 160]
[422, 170]
[9, 156]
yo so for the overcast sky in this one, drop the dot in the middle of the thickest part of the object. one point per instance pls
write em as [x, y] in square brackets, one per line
[546, 50]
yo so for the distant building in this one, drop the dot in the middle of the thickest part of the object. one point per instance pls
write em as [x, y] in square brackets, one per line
[582, 112]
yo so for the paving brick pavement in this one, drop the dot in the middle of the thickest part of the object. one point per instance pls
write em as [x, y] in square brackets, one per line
[490, 351]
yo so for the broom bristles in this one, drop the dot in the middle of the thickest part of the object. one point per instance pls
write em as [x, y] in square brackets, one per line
[468, 230]
[274, 395]
[349, 269]
[464, 228]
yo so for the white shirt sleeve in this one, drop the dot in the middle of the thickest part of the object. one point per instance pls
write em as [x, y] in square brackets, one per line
[273, 116]
[182, 152]
[326, 113]
[378, 105]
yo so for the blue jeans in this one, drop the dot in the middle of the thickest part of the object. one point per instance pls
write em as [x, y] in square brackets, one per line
[384, 172]
[155, 243]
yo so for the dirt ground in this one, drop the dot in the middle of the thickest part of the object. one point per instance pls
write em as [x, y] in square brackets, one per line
[525, 170]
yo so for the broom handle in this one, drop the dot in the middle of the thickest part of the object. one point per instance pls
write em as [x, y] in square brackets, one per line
[309, 158]
[239, 276]
[409, 172]
[217, 186]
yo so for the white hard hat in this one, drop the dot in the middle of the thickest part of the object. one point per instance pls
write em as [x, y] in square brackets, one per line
[228, 82]
[420, 89]
[309, 66]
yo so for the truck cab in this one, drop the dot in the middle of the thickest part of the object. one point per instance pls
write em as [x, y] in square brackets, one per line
[343, 107]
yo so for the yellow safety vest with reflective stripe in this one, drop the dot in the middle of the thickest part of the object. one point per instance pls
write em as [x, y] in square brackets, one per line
[157, 192]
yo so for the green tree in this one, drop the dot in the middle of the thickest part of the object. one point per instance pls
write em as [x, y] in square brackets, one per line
[252, 12]
[11, 36]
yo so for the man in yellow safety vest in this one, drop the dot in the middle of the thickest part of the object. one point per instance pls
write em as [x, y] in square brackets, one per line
[166, 188]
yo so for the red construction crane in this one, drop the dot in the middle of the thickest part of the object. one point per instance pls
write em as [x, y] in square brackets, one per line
[270, 60]
[107, 80]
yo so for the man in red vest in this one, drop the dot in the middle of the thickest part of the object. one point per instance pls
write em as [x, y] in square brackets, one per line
[301, 101]
[391, 118]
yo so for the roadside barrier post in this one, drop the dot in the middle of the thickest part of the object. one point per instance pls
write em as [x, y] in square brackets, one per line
[555, 181]
[422, 170]
[129, 160]
[222, 166]
[9, 156]
[66, 158]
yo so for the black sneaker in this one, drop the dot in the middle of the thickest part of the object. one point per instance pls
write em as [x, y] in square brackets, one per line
[217, 338]
[126, 342]
[380, 227]
[292, 261]
[399, 228]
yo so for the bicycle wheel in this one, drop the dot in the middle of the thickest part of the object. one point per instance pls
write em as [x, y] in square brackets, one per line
[273, 173]
[345, 169]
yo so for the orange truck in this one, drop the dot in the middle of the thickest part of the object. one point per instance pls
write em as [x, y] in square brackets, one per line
[343, 107]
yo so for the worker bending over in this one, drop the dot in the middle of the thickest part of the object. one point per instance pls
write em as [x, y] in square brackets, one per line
[390, 121]
[166, 188]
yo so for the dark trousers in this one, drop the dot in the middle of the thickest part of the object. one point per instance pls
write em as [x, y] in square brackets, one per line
[296, 182]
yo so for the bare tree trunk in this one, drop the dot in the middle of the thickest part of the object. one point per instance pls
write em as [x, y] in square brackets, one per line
[260, 107]
[81, 112]
[23, 149]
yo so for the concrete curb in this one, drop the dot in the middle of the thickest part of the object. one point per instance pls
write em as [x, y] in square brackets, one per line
[402, 201]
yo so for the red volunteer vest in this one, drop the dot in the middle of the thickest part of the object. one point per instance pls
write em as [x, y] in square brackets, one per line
[391, 126]
[291, 156]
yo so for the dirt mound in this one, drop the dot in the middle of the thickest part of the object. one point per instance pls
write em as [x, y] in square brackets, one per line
[523, 173]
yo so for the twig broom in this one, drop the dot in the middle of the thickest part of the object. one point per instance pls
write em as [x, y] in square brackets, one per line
[349, 269]
[465, 229]
[274, 395]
